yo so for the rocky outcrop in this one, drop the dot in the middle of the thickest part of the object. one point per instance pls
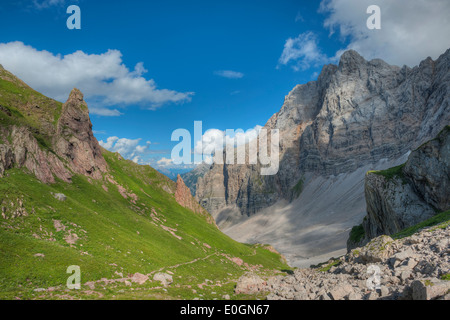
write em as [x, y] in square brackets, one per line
[428, 168]
[190, 178]
[75, 141]
[164, 278]
[412, 268]
[48, 150]
[184, 198]
[392, 205]
[250, 283]
[355, 114]
[21, 149]
[406, 195]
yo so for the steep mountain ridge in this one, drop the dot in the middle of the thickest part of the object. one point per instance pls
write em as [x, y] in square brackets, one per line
[358, 115]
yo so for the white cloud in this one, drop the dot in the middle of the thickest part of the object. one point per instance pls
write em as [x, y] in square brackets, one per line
[105, 112]
[109, 143]
[136, 159]
[167, 164]
[164, 162]
[230, 74]
[302, 52]
[215, 140]
[410, 30]
[103, 78]
[128, 148]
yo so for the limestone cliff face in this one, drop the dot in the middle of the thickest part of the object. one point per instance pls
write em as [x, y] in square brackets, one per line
[428, 168]
[404, 196]
[355, 114]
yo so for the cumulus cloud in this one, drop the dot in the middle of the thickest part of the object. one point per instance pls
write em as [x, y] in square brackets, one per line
[411, 30]
[214, 140]
[103, 78]
[105, 112]
[230, 74]
[128, 148]
[302, 52]
[164, 162]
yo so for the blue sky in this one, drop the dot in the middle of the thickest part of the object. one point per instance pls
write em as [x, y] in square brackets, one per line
[221, 62]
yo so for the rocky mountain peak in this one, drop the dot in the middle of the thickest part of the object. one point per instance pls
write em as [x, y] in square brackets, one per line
[325, 74]
[75, 140]
[74, 108]
[351, 60]
[75, 95]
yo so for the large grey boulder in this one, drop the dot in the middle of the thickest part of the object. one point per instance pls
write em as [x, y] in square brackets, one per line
[429, 289]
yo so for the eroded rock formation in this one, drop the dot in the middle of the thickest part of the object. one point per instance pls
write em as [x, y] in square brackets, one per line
[404, 196]
[184, 198]
[54, 151]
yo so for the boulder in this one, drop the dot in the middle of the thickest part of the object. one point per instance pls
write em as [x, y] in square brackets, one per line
[165, 278]
[60, 196]
[139, 278]
[341, 292]
[377, 250]
[429, 289]
[250, 283]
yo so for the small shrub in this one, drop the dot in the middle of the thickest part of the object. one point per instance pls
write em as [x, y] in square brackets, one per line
[357, 234]
[446, 277]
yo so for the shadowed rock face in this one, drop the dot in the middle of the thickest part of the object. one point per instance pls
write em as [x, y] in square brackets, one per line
[355, 114]
[74, 139]
[419, 189]
[428, 168]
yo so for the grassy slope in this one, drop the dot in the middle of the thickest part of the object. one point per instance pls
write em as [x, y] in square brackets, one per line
[116, 235]
[441, 220]
[21, 105]
[16, 93]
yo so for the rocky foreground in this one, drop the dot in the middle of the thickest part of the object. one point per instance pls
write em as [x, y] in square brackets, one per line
[416, 267]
